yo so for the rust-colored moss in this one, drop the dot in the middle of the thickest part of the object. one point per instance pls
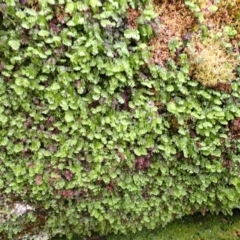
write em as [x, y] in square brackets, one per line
[133, 15]
[176, 20]
[227, 14]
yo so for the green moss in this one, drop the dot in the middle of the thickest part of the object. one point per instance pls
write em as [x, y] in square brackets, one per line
[197, 227]
[194, 227]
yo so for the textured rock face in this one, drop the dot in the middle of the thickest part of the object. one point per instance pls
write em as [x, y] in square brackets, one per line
[19, 209]
[16, 210]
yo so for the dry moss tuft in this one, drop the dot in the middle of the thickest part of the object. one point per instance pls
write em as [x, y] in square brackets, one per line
[33, 4]
[132, 16]
[213, 56]
[211, 64]
[176, 20]
[227, 14]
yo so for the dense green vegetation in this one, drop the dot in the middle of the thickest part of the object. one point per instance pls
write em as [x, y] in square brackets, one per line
[101, 135]
[196, 227]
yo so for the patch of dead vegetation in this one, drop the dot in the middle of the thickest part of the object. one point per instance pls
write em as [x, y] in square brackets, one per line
[227, 14]
[223, 87]
[235, 128]
[176, 21]
[32, 4]
[212, 64]
[132, 17]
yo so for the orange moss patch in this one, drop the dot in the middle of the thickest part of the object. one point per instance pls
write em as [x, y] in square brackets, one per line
[132, 16]
[176, 20]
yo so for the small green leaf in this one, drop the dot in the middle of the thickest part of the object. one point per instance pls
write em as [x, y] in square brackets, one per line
[18, 147]
[55, 86]
[77, 19]
[200, 17]
[170, 88]
[95, 3]
[11, 3]
[35, 145]
[64, 105]
[171, 107]
[213, 8]
[217, 101]
[20, 14]
[106, 178]
[14, 44]
[3, 119]
[69, 116]
[132, 33]
[43, 33]
[105, 22]
[69, 7]
[51, 1]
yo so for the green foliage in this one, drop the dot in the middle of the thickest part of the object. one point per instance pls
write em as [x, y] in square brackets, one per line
[97, 139]
[218, 227]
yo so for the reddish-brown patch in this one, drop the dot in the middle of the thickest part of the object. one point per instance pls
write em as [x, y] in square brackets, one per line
[32, 3]
[223, 87]
[228, 14]
[176, 21]
[132, 16]
[61, 14]
[111, 186]
[68, 175]
[38, 179]
[235, 128]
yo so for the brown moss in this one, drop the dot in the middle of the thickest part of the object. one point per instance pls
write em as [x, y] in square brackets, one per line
[235, 128]
[203, 4]
[235, 125]
[228, 14]
[132, 16]
[176, 20]
[223, 87]
[60, 13]
[33, 4]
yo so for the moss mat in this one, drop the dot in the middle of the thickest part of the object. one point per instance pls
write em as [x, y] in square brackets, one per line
[197, 227]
